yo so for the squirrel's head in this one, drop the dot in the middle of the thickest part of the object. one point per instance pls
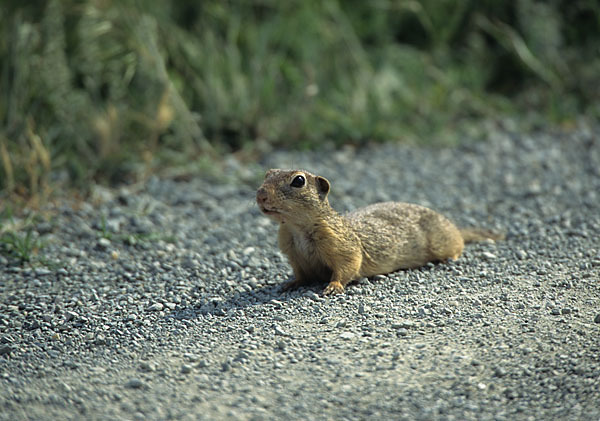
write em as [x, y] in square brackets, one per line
[292, 195]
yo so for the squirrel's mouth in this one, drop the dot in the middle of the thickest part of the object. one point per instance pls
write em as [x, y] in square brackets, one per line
[268, 211]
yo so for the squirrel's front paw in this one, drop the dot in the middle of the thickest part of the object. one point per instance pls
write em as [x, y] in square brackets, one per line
[333, 288]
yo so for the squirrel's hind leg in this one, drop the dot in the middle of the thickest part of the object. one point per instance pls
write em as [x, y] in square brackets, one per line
[445, 244]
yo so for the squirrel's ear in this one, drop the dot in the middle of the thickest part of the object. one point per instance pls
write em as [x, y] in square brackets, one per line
[322, 187]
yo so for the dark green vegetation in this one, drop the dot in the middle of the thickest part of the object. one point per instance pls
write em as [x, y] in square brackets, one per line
[105, 89]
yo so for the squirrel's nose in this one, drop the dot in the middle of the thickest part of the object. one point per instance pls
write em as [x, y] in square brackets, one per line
[261, 195]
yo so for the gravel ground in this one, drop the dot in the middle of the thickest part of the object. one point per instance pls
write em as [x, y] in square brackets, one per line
[163, 300]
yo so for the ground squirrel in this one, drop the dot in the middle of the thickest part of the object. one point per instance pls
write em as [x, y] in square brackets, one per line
[323, 245]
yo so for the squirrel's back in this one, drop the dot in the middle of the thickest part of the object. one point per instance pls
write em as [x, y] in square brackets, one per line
[397, 235]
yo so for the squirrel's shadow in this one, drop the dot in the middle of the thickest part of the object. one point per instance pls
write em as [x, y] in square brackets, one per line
[273, 294]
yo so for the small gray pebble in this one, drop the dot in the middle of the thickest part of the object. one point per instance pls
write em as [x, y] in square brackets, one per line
[313, 296]
[42, 271]
[500, 372]
[103, 243]
[147, 366]
[156, 307]
[363, 309]
[6, 349]
[134, 383]
[190, 357]
[276, 303]
[279, 331]
[70, 364]
[347, 335]
[70, 315]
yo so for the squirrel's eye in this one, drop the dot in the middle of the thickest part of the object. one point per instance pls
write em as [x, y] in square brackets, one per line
[298, 181]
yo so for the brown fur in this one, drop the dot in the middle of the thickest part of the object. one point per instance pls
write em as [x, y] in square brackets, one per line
[321, 244]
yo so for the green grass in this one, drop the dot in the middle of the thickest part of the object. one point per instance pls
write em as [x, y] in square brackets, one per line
[19, 245]
[103, 229]
[18, 240]
[111, 90]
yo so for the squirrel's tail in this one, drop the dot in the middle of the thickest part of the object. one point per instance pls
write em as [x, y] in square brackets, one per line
[473, 235]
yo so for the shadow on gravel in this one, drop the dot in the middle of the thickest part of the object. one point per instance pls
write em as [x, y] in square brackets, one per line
[272, 295]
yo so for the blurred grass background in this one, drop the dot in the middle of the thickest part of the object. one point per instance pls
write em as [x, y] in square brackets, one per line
[105, 90]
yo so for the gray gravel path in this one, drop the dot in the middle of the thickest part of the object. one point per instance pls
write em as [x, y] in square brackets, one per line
[163, 301]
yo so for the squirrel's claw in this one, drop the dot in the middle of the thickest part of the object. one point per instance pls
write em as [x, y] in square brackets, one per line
[333, 288]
